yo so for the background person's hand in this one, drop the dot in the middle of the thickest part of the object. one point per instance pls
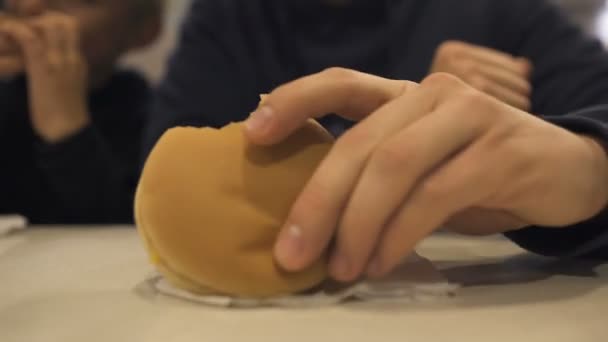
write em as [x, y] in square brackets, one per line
[493, 72]
[56, 71]
[11, 61]
[423, 155]
[25, 7]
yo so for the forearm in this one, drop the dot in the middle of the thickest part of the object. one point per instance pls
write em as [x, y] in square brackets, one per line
[570, 68]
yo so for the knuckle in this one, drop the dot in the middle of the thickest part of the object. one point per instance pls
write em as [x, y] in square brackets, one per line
[479, 82]
[451, 49]
[472, 99]
[441, 80]
[345, 83]
[391, 158]
[480, 109]
[340, 74]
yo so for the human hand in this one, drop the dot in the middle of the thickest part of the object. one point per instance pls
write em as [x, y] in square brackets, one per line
[11, 62]
[56, 71]
[493, 72]
[422, 155]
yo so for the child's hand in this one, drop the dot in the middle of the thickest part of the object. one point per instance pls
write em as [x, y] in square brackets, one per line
[56, 72]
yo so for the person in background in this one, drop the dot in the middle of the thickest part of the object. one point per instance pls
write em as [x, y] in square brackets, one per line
[503, 75]
[70, 119]
[525, 53]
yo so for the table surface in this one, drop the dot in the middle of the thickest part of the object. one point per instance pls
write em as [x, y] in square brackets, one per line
[79, 284]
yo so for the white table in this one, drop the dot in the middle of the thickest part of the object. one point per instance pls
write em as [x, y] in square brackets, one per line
[78, 284]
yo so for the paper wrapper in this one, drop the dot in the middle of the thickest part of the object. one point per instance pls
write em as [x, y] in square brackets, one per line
[415, 280]
[11, 223]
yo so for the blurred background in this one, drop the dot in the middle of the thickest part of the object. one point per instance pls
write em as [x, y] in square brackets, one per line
[590, 14]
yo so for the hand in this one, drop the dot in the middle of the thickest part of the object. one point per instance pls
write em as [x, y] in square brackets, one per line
[26, 7]
[56, 73]
[478, 221]
[11, 62]
[423, 154]
[493, 72]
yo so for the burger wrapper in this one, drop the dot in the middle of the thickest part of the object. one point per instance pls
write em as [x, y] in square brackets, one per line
[415, 280]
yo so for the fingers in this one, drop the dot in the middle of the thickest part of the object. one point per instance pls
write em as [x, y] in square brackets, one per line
[517, 66]
[25, 7]
[53, 35]
[317, 211]
[509, 80]
[7, 46]
[27, 40]
[331, 185]
[60, 35]
[10, 66]
[393, 170]
[491, 71]
[500, 92]
[457, 184]
[72, 40]
[11, 60]
[347, 93]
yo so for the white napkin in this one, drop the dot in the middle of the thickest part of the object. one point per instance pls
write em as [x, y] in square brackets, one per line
[416, 279]
[11, 223]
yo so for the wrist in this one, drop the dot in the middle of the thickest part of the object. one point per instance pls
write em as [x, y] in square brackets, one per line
[61, 131]
[599, 154]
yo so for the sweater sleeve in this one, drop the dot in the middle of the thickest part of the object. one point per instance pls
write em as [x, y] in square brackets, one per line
[91, 176]
[585, 239]
[88, 183]
[570, 66]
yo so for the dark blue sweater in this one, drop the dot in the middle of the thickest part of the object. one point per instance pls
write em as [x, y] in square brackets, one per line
[230, 51]
[89, 177]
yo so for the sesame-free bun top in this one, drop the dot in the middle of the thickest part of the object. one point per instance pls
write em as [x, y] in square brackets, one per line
[209, 207]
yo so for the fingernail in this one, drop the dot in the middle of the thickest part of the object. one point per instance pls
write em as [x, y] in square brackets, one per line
[258, 121]
[340, 268]
[289, 247]
[374, 269]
